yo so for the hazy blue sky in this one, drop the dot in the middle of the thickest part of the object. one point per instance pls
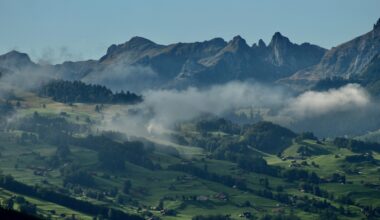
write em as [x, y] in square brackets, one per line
[82, 29]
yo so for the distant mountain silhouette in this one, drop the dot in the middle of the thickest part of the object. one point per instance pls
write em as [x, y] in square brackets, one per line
[142, 62]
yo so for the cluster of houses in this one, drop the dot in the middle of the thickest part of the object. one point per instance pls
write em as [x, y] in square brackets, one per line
[39, 171]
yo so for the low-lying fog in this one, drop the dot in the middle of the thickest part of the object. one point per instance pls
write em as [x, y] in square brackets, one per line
[349, 110]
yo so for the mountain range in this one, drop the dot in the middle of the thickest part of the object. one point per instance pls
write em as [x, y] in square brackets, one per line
[151, 65]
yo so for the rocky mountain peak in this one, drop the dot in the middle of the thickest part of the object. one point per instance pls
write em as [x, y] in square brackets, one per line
[279, 39]
[376, 29]
[138, 43]
[111, 49]
[259, 47]
[136, 40]
[377, 25]
[17, 56]
[217, 41]
[261, 44]
[237, 44]
[135, 44]
[238, 40]
[15, 59]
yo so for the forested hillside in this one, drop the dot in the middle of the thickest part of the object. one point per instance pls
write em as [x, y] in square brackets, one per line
[77, 91]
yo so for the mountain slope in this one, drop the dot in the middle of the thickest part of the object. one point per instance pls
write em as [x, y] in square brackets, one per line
[347, 60]
[371, 75]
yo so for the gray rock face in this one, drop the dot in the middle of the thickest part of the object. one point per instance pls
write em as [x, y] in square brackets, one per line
[346, 60]
[291, 56]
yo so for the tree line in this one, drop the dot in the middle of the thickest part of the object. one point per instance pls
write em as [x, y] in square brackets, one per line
[356, 145]
[77, 91]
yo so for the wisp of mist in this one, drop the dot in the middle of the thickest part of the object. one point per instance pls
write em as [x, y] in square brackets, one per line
[348, 110]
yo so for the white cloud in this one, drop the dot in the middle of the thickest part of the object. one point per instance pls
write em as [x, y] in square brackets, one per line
[313, 103]
[328, 112]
